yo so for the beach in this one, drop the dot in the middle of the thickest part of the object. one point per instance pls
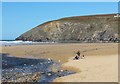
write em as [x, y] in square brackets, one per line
[100, 63]
[92, 69]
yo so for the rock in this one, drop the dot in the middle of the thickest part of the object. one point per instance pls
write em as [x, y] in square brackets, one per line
[49, 74]
[42, 72]
[24, 64]
[32, 65]
[36, 76]
[59, 76]
[49, 62]
[41, 63]
[61, 70]
[49, 59]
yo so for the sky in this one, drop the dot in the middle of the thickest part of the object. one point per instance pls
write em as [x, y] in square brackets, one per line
[19, 17]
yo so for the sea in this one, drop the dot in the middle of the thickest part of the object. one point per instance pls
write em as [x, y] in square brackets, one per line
[20, 42]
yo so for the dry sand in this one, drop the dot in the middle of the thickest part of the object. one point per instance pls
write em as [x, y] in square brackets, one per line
[99, 65]
[98, 68]
[93, 69]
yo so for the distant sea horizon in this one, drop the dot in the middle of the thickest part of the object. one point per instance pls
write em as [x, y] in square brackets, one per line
[20, 42]
[7, 40]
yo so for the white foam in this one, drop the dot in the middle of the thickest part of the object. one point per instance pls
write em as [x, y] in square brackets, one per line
[20, 42]
[14, 42]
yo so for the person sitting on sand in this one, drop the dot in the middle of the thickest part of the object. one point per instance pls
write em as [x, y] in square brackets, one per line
[78, 53]
[77, 56]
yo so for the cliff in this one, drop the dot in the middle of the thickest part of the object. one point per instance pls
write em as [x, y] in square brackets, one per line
[93, 28]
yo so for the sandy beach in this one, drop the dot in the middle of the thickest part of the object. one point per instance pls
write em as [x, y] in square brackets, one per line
[92, 69]
[99, 65]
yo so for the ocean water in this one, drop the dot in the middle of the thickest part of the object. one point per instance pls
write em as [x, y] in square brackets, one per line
[8, 43]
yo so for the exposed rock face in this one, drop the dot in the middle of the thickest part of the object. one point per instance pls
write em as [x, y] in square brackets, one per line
[96, 28]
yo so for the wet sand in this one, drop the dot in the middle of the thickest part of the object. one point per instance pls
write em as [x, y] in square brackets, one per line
[61, 52]
[100, 62]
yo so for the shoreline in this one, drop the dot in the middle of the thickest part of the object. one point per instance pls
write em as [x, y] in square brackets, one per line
[20, 43]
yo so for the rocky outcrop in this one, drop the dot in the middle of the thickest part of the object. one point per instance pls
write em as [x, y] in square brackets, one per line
[95, 28]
